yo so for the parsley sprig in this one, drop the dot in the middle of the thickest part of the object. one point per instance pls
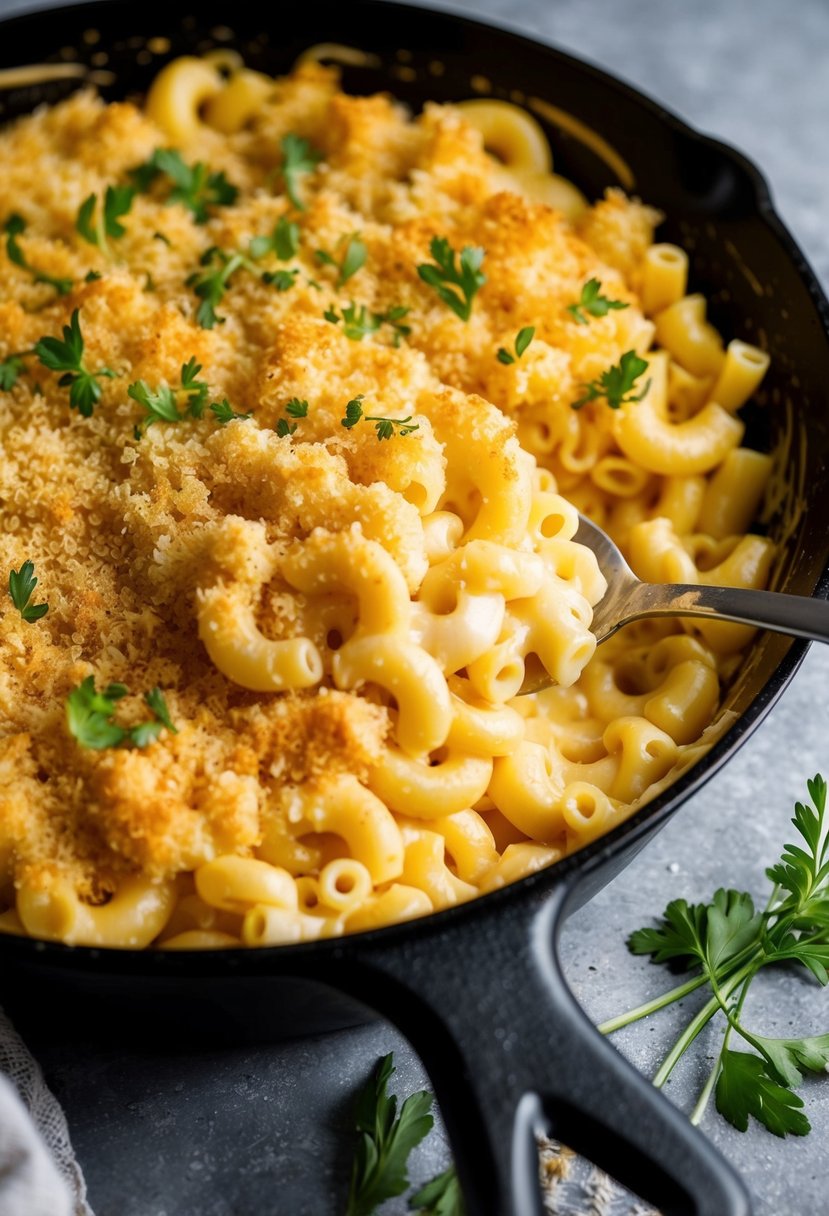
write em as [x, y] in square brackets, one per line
[14, 227]
[522, 340]
[440, 1197]
[67, 357]
[592, 302]
[617, 383]
[283, 241]
[298, 159]
[353, 258]
[194, 186]
[450, 272]
[385, 427]
[730, 942]
[358, 321]
[294, 409]
[98, 228]
[22, 583]
[224, 412]
[219, 267]
[90, 717]
[386, 1139]
[162, 404]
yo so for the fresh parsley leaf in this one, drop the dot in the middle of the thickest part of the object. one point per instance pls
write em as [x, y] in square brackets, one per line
[386, 1139]
[617, 383]
[161, 404]
[449, 272]
[90, 714]
[194, 186]
[14, 227]
[799, 870]
[225, 413]
[10, 371]
[283, 280]
[522, 340]
[283, 241]
[67, 356]
[745, 1088]
[22, 583]
[593, 303]
[117, 203]
[385, 427]
[440, 1197]
[394, 317]
[211, 283]
[353, 258]
[353, 412]
[357, 321]
[298, 158]
[295, 408]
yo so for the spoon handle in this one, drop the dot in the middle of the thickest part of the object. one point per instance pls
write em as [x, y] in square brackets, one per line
[797, 615]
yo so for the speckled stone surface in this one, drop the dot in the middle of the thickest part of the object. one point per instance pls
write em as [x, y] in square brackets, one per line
[265, 1130]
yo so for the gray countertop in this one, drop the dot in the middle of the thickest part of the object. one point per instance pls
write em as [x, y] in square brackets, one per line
[235, 1132]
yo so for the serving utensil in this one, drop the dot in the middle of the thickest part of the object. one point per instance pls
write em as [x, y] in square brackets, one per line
[629, 599]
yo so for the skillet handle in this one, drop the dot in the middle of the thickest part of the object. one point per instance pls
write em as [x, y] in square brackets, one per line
[510, 1053]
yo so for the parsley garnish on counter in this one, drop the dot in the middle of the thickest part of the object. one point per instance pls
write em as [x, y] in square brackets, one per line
[386, 1139]
[22, 583]
[117, 203]
[522, 340]
[385, 427]
[299, 158]
[591, 302]
[617, 383]
[354, 257]
[194, 186]
[447, 273]
[14, 227]
[730, 943]
[89, 716]
[379, 1171]
[67, 357]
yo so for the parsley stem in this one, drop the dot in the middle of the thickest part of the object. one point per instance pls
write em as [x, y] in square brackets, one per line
[697, 1023]
[704, 1098]
[659, 1002]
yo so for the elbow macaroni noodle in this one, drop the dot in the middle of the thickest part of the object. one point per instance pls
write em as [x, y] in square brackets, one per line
[342, 624]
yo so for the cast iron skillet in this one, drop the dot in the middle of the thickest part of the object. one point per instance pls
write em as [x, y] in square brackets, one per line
[479, 989]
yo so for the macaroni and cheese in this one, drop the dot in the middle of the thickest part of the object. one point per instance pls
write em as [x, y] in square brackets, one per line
[301, 479]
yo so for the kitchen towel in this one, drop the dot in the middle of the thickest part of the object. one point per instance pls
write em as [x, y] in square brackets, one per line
[39, 1173]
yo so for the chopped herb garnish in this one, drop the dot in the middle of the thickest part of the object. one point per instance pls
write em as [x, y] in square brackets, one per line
[10, 371]
[449, 272]
[22, 583]
[90, 714]
[617, 383]
[67, 357]
[194, 186]
[225, 412]
[299, 158]
[98, 229]
[593, 303]
[385, 427]
[14, 227]
[294, 409]
[161, 403]
[522, 340]
[283, 241]
[730, 943]
[211, 283]
[386, 1139]
[359, 321]
[353, 258]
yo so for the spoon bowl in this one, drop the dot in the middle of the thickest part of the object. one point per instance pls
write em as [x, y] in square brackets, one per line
[629, 599]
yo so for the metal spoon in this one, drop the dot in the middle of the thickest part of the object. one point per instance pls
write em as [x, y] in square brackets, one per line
[629, 599]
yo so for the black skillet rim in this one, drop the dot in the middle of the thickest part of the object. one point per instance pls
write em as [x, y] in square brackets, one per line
[577, 866]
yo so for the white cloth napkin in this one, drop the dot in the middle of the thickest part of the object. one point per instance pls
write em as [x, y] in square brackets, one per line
[39, 1173]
